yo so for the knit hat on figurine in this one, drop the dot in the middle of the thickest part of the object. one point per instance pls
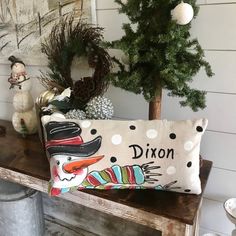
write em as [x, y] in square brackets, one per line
[15, 60]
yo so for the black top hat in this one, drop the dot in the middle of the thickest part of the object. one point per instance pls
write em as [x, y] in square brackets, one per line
[62, 130]
[15, 60]
[63, 138]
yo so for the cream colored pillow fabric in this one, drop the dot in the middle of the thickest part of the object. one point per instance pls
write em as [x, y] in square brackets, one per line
[110, 154]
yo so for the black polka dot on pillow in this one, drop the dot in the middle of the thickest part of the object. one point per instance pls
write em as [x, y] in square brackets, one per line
[172, 136]
[132, 127]
[199, 129]
[93, 131]
[189, 164]
[113, 159]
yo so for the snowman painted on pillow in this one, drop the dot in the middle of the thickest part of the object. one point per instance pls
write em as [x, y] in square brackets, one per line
[70, 156]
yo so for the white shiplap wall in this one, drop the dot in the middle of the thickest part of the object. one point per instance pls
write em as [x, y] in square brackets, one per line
[215, 28]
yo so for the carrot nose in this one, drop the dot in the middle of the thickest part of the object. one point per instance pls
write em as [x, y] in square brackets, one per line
[76, 166]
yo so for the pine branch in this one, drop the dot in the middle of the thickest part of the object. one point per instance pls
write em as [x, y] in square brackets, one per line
[157, 45]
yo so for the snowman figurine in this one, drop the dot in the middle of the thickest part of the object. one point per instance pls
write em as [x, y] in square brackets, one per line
[24, 119]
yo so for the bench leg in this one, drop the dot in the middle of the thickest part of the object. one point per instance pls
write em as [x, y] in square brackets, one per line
[194, 230]
[181, 229]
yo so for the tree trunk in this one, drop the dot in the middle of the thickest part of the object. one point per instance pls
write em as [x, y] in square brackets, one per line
[155, 104]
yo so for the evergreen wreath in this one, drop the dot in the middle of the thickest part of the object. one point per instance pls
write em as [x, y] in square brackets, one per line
[67, 40]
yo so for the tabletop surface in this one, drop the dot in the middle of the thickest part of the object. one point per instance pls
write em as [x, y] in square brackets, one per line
[26, 156]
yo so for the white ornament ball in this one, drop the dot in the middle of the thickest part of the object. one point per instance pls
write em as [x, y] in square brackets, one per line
[29, 118]
[183, 13]
[23, 101]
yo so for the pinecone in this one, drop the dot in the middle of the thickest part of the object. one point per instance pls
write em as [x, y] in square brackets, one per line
[76, 114]
[84, 89]
[99, 108]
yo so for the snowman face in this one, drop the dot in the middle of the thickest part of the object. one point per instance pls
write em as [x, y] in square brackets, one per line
[63, 179]
[18, 67]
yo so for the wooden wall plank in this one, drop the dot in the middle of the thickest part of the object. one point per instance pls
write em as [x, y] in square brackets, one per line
[6, 95]
[223, 65]
[127, 105]
[216, 104]
[6, 111]
[201, 1]
[37, 88]
[106, 4]
[92, 220]
[220, 1]
[214, 30]
[221, 185]
[213, 217]
[112, 22]
[221, 111]
[56, 227]
[110, 4]
[219, 148]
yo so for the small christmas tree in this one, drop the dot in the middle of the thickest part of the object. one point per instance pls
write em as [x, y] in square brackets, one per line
[160, 52]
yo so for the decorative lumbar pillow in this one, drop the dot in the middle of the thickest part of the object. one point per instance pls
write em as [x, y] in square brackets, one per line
[109, 154]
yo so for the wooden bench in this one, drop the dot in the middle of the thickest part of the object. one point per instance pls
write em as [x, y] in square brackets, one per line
[23, 161]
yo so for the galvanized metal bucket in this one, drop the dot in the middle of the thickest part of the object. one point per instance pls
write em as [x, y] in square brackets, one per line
[21, 211]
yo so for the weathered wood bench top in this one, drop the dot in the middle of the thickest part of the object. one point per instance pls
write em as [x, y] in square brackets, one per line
[23, 160]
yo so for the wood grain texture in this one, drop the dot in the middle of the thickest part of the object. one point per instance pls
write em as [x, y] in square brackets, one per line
[26, 163]
[91, 220]
[55, 227]
[155, 108]
[92, 200]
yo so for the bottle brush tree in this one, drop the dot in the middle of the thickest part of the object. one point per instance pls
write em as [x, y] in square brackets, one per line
[160, 53]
